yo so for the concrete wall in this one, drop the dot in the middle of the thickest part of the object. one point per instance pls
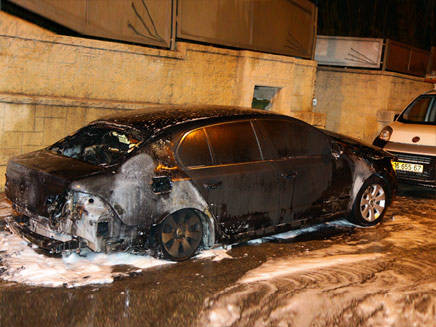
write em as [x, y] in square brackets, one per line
[360, 102]
[50, 85]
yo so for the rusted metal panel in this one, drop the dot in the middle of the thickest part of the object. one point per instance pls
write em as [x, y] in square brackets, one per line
[278, 26]
[349, 51]
[224, 22]
[431, 68]
[140, 21]
[284, 26]
[406, 59]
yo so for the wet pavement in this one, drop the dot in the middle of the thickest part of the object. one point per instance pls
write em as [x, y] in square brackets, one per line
[333, 275]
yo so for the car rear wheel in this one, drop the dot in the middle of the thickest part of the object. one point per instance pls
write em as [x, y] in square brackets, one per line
[180, 235]
[371, 202]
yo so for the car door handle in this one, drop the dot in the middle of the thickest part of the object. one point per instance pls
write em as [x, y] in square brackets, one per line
[290, 176]
[213, 186]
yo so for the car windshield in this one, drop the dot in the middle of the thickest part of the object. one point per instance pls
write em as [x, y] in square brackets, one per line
[97, 145]
[420, 111]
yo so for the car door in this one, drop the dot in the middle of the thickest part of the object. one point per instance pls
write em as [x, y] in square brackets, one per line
[239, 186]
[306, 168]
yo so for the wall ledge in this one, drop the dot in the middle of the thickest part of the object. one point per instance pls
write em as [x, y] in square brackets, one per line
[371, 72]
[16, 98]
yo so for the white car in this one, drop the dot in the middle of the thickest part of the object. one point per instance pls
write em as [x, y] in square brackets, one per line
[412, 139]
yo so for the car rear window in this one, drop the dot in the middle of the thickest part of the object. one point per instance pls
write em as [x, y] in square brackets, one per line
[97, 145]
[233, 143]
[294, 139]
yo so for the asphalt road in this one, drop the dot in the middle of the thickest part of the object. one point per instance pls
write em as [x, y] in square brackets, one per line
[333, 275]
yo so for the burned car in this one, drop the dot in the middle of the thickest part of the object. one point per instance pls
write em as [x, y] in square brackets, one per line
[173, 180]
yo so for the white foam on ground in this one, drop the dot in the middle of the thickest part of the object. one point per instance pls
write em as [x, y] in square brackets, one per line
[297, 232]
[216, 254]
[372, 280]
[22, 264]
[279, 268]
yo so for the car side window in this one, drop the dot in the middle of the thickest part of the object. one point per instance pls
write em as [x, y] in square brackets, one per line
[233, 143]
[194, 150]
[294, 139]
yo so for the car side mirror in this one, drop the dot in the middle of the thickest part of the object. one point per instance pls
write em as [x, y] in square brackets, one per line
[337, 150]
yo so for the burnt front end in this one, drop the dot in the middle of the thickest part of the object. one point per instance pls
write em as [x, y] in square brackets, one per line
[55, 217]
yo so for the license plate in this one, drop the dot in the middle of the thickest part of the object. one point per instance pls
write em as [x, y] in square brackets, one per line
[414, 168]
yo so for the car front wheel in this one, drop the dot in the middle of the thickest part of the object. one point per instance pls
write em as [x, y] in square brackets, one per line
[371, 202]
[180, 235]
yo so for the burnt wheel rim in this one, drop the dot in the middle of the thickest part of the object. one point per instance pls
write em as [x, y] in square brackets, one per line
[373, 202]
[181, 234]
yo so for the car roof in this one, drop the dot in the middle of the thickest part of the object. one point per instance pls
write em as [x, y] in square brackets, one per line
[151, 120]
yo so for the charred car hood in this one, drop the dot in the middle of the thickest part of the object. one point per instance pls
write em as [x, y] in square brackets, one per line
[34, 179]
[358, 147]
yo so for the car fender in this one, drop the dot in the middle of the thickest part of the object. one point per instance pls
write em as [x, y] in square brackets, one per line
[361, 172]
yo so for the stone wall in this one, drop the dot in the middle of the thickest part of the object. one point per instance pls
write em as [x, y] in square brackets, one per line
[40, 63]
[30, 123]
[50, 85]
[360, 102]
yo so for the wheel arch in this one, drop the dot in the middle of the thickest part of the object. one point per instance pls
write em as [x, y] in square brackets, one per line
[376, 203]
[389, 183]
[364, 170]
[383, 176]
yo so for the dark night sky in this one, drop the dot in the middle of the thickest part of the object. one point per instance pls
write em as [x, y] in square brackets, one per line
[407, 21]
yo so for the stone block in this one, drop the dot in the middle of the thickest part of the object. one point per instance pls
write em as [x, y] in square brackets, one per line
[19, 117]
[313, 118]
[50, 111]
[33, 138]
[75, 119]
[2, 178]
[95, 113]
[39, 111]
[63, 54]
[54, 129]
[39, 124]
[386, 116]
[31, 148]
[5, 154]
[12, 140]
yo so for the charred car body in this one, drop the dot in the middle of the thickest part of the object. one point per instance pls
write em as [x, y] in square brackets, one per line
[178, 179]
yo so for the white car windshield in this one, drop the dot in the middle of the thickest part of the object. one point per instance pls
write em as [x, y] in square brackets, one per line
[420, 111]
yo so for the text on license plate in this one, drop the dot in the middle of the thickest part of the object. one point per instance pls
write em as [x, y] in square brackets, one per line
[407, 167]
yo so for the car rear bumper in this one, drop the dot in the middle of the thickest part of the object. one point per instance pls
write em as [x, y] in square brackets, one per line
[19, 226]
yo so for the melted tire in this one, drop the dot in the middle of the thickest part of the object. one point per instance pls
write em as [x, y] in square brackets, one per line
[371, 202]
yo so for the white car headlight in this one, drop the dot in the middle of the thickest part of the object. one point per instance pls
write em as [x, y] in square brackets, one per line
[386, 133]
